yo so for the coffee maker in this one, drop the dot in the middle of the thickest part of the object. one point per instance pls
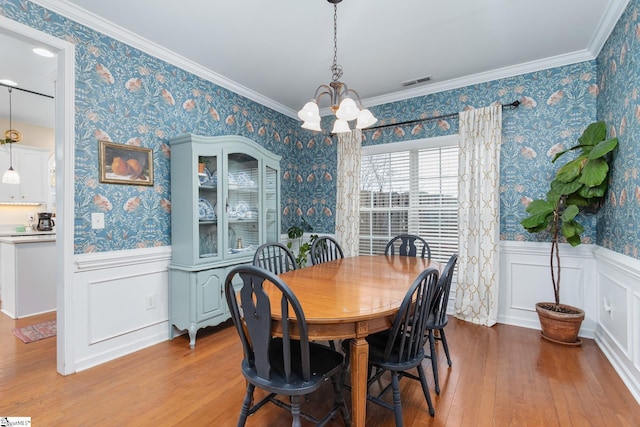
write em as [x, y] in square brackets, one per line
[45, 222]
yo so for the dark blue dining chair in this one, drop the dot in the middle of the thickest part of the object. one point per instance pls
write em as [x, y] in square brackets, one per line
[401, 348]
[408, 245]
[275, 257]
[325, 249]
[279, 365]
[438, 318]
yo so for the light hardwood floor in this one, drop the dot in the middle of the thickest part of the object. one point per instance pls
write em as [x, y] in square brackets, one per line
[501, 376]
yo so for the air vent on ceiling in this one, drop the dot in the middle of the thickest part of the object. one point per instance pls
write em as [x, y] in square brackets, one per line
[415, 81]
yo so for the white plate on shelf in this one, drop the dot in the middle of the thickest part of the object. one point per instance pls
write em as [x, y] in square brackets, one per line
[205, 210]
[242, 208]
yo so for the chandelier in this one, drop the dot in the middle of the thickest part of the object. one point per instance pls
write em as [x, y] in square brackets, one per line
[342, 105]
[11, 176]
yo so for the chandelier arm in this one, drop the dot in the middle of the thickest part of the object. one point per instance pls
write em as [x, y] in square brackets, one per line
[322, 90]
[348, 91]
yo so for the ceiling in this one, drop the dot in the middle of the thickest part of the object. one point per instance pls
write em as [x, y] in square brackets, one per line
[277, 53]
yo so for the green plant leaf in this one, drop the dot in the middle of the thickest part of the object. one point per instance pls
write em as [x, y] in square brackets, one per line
[574, 240]
[539, 206]
[295, 232]
[571, 170]
[566, 187]
[593, 192]
[570, 213]
[594, 172]
[603, 148]
[593, 134]
[571, 228]
[568, 229]
[577, 199]
[537, 222]
[553, 197]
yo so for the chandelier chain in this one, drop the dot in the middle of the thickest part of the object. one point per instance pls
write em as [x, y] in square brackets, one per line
[10, 125]
[336, 70]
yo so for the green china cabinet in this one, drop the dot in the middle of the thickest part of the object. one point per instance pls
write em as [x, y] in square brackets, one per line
[225, 202]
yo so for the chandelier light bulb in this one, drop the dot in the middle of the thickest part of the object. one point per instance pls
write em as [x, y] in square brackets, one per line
[348, 110]
[310, 112]
[312, 126]
[340, 126]
[365, 119]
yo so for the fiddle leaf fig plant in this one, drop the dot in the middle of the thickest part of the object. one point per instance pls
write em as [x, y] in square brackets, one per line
[579, 186]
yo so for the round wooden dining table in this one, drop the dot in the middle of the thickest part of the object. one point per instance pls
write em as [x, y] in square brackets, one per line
[350, 298]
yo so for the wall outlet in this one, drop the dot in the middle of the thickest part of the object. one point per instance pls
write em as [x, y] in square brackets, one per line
[606, 306]
[31, 217]
[150, 302]
[97, 220]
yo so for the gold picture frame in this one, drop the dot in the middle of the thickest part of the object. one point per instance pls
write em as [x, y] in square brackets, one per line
[125, 164]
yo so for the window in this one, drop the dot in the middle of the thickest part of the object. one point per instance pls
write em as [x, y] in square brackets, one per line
[410, 187]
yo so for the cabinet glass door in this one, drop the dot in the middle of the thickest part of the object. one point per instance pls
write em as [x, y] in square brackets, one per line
[243, 234]
[207, 206]
[271, 204]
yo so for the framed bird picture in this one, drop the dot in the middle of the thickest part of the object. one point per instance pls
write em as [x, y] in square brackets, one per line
[125, 164]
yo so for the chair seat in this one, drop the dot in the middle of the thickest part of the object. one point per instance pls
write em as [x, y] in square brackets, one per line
[433, 324]
[324, 363]
[401, 348]
[377, 344]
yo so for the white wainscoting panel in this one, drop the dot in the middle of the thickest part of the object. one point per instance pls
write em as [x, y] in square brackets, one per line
[618, 329]
[120, 303]
[525, 279]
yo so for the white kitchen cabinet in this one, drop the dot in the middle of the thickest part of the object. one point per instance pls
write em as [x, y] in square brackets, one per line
[31, 165]
[27, 275]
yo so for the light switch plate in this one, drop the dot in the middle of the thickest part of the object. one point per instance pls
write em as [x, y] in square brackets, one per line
[97, 220]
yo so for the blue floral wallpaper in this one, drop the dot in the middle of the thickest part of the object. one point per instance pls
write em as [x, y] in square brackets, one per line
[619, 81]
[127, 96]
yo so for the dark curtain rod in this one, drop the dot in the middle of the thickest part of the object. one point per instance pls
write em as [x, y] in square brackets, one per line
[511, 106]
[26, 90]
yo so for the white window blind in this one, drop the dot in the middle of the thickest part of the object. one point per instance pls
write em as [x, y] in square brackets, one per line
[413, 190]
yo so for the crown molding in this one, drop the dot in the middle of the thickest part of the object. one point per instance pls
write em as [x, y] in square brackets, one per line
[500, 73]
[606, 25]
[108, 28]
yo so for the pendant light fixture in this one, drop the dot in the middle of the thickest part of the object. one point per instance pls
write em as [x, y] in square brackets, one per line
[342, 105]
[11, 136]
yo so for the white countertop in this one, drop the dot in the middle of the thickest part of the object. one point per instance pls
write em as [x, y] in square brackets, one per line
[27, 237]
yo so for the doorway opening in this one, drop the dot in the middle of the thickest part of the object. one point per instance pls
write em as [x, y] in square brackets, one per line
[64, 100]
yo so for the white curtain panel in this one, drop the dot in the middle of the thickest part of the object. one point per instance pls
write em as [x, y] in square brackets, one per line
[348, 194]
[476, 298]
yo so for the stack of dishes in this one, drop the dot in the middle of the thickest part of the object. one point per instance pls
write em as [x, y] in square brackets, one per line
[206, 212]
[208, 178]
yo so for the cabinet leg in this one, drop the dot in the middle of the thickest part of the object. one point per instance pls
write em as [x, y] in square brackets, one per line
[192, 336]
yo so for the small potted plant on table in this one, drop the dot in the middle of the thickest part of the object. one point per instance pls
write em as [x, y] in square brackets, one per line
[579, 186]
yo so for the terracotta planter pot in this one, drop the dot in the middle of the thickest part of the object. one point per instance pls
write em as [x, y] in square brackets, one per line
[560, 326]
[201, 167]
